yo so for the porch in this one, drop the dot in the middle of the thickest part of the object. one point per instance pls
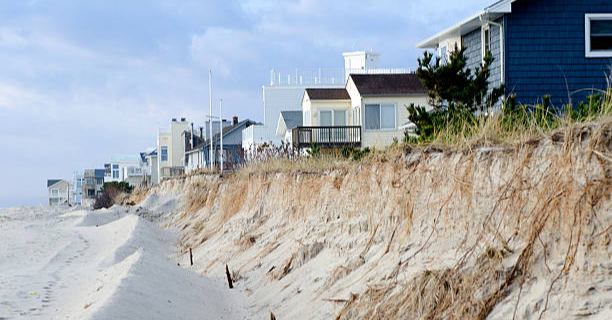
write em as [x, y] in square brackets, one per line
[326, 136]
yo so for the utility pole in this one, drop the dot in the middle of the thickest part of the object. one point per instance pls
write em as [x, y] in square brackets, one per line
[210, 117]
[221, 132]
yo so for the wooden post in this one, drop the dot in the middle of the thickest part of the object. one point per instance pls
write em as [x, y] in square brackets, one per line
[272, 316]
[191, 256]
[229, 277]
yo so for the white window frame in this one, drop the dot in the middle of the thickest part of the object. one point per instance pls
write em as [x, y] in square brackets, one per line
[55, 192]
[587, 35]
[484, 40]
[333, 115]
[380, 104]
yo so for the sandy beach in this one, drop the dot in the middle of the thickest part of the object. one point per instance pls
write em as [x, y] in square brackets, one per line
[66, 263]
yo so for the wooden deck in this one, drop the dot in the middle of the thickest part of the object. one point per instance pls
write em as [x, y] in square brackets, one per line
[327, 137]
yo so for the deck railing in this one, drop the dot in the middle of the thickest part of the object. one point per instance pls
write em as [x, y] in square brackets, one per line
[327, 137]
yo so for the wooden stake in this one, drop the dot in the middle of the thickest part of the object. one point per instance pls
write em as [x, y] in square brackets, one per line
[272, 316]
[229, 277]
[191, 256]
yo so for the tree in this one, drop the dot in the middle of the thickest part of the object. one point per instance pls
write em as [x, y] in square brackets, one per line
[453, 90]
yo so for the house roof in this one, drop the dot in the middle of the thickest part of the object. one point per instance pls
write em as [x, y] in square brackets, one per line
[287, 121]
[469, 24]
[388, 84]
[51, 182]
[226, 131]
[292, 118]
[328, 94]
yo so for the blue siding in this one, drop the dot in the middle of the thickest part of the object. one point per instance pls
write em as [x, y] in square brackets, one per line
[545, 50]
[473, 44]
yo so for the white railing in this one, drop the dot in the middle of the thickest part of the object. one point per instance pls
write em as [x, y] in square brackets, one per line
[338, 76]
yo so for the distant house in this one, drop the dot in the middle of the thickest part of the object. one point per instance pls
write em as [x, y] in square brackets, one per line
[151, 158]
[369, 112]
[78, 180]
[60, 192]
[199, 156]
[93, 181]
[561, 48]
[132, 169]
[286, 122]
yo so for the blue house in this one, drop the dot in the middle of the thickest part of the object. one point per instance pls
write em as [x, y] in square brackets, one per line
[561, 48]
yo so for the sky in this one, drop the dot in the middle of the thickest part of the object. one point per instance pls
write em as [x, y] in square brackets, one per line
[82, 80]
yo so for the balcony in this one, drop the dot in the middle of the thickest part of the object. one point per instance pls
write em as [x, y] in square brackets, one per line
[327, 137]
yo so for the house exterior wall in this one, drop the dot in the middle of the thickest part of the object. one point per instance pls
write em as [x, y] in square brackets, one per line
[545, 47]
[163, 140]
[64, 193]
[154, 169]
[312, 107]
[382, 138]
[472, 42]
[178, 142]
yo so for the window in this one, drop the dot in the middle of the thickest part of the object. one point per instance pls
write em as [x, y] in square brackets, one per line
[91, 192]
[598, 35]
[380, 117]
[486, 40]
[164, 154]
[115, 171]
[55, 192]
[99, 181]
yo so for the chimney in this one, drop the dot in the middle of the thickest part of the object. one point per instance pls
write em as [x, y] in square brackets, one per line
[191, 140]
[202, 133]
[234, 120]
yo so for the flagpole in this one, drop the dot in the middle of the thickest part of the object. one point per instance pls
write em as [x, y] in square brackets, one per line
[210, 118]
[221, 131]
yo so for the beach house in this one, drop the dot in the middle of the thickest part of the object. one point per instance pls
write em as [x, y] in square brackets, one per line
[369, 112]
[561, 48]
[198, 157]
[60, 192]
[285, 92]
[93, 181]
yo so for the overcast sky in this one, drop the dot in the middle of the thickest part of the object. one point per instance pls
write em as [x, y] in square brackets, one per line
[82, 80]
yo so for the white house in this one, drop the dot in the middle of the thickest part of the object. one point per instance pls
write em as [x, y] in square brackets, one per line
[370, 112]
[286, 91]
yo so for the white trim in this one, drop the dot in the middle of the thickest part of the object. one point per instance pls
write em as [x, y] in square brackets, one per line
[588, 17]
[468, 24]
[483, 29]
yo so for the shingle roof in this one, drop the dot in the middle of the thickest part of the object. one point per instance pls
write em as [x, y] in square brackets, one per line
[226, 131]
[388, 84]
[328, 94]
[292, 118]
[51, 182]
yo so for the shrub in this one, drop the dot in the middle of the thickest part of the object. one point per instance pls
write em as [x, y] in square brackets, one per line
[110, 191]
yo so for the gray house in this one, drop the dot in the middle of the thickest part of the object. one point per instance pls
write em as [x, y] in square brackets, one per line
[198, 157]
